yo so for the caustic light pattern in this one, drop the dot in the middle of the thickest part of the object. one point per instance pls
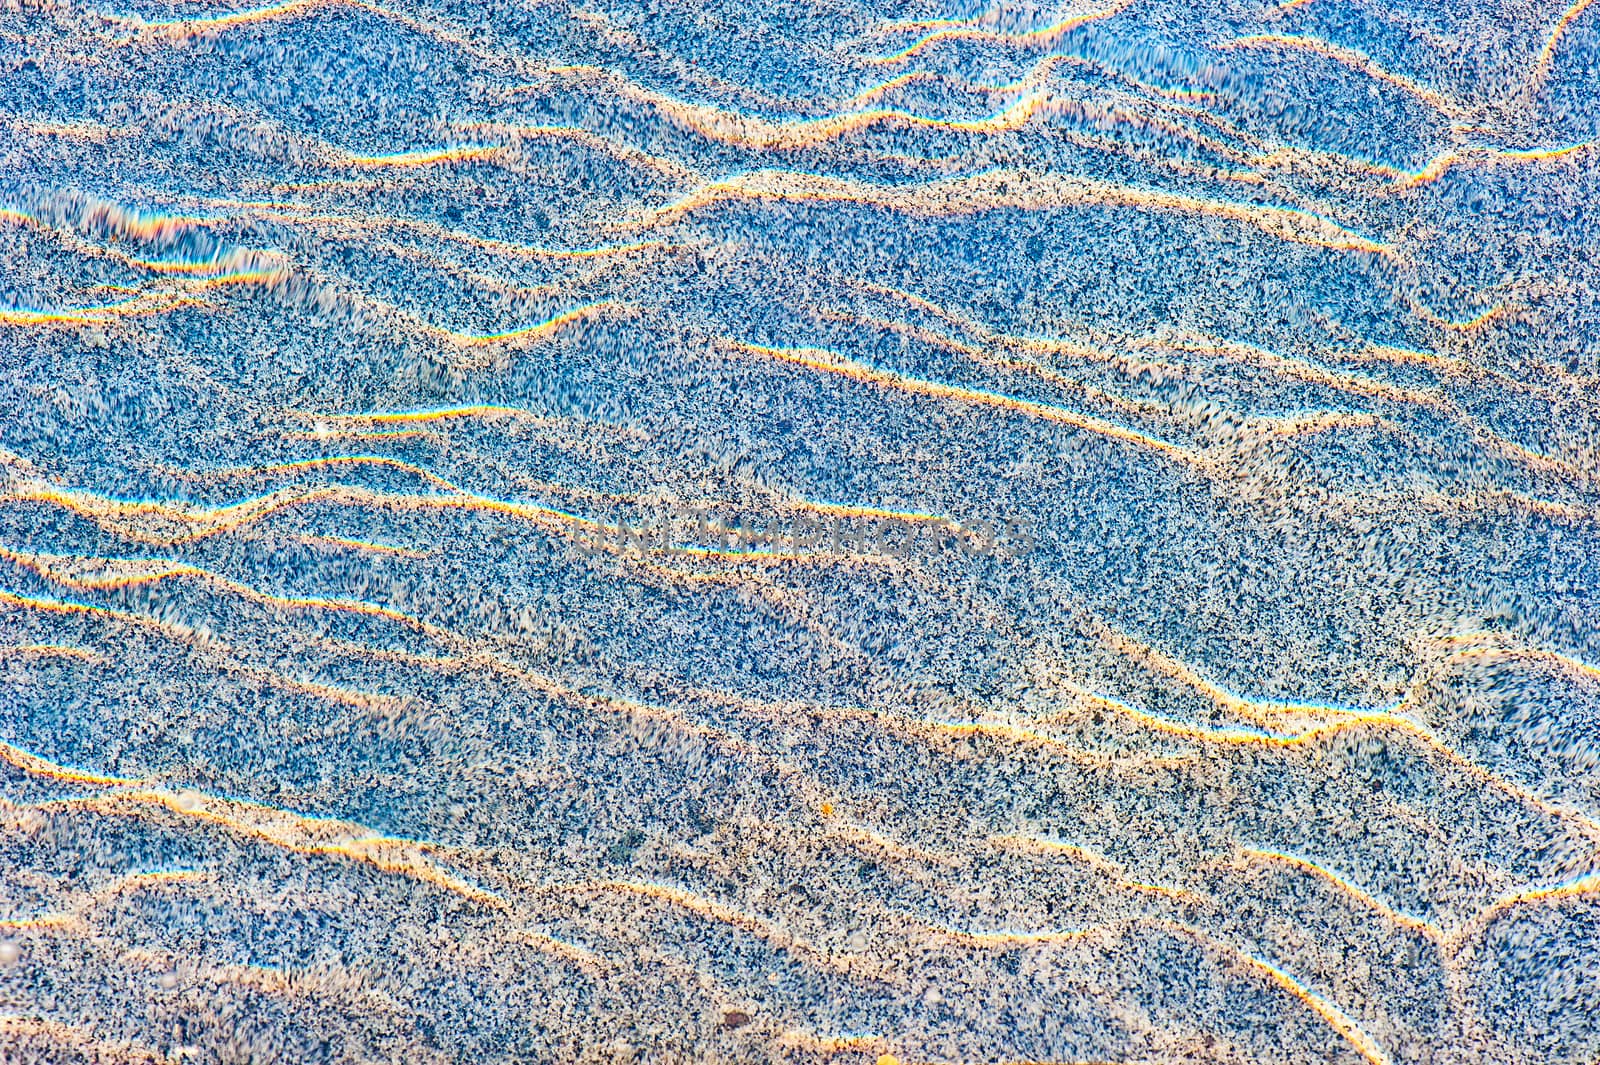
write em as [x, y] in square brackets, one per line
[800, 531]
